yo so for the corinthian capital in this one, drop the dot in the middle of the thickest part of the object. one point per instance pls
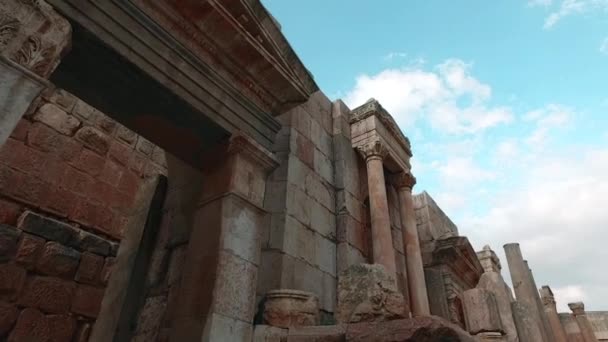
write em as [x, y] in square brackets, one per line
[577, 308]
[373, 149]
[403, 180]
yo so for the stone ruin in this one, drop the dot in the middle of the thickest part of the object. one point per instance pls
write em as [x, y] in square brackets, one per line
[170, 171]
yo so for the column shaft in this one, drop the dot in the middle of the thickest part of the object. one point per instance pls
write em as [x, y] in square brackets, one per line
[524, 290]
[419, 301]
[382, 239]
[578, 311]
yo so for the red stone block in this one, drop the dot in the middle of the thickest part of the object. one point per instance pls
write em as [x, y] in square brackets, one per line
[28, 160]
[8, 241]
[12, 281]
[9, 212]
[20, 131]
[104, 219]
[120, 153]
[58, 260]
[7, 151]
[89, 162]
[87, 301]
[59, 200]
[89, 270]
[129, 183]
[29, 248]
[69, 148]
[44, 138]
[84, 213]
[48, 294]
[77, 181]
[62, 328]
[8, 316]
[28, 189]
[111, 172]
[54, 171]
[32, 325]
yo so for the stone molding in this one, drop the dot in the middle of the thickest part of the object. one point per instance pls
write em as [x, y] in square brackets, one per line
[373, 107]
[373, 149]
[578, 308]
[250, 149]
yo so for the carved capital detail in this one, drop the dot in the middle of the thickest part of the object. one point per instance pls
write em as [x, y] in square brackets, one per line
[577, 308]
[403, 180]
[374, 149]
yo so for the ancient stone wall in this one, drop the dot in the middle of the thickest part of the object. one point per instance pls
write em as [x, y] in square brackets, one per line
[432, 222]
[598, 320]
[299, 245]
[68, 175]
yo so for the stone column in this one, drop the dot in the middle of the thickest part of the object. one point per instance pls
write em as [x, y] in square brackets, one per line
[382, 240]
[551, 312]
[216, 298]
[528, 330]
[419, 301]
[525, 291]
[539, 304]
[578, 311]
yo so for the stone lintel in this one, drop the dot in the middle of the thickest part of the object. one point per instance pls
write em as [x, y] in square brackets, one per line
[252, 150]
[458, 254]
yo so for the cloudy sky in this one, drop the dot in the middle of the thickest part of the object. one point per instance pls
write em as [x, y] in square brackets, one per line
[506, 105]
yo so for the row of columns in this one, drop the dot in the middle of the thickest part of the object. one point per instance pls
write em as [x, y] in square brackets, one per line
[382, 241]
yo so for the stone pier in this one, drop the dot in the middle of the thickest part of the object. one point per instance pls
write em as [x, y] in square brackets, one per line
[524, 289]
[419, 301]
[578, 311]
[559, 334]
[382, 239]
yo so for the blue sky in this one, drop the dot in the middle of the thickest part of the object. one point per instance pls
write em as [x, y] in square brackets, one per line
[506, 105]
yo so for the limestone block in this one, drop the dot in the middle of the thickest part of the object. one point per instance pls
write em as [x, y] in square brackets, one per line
[222, 328]
[348, 256]
[367, 293]
[481, 312]
[323, 221]
[236, 281]
[328, 298]
[297, 172]
[325, 254]
[436, 292]
[55, 117]
[321, 191]
[266, 333]
[298, 205]
[242, 235]
[286, 308]
[493, 282]
[324, 166]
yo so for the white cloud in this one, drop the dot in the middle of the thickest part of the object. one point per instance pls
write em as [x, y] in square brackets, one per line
[604, 46]
[459, 172]
[448, 96]
[571, 7]
[393, 55]
[545, 119]
[568, 294]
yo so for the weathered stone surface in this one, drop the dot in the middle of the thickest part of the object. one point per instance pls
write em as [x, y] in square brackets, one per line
[58, 119]
[327, 333]
[493, 282]
[417, 329]
[528, 329]
[62, 327]
[87, 300]
[8, 241]
[550, 308]
[150, 319]
[94, 139]
[368, 293]
[94, 244]
[58, 260]
[8, 316]
[48, 294]
[291, 308]
[481, 312]
[12, 278]
[89, 270]
[578, 311]
[30, 247]
[32, 325]
[266, 333]
[48, 228]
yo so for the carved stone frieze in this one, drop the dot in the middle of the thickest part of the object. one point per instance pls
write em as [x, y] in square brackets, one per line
[33, 35]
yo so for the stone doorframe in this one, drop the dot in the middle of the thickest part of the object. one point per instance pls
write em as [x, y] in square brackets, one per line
[237, 100]
[378, 139]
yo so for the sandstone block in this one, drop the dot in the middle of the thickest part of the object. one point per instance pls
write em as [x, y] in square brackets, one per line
[12, 279]
[8, 316]
[8, 241]
[83, 110]
[94, 139]
[291, 308]
[62, 328]
[58, 119]
[87, 300]
[367, 293]
[47, 294]
[58, 260]
[30, 247]
[236, 280]
[32, 325]
[126, 135]
[89, 270]
[481, 312]
[9, 212]
[48, 228]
